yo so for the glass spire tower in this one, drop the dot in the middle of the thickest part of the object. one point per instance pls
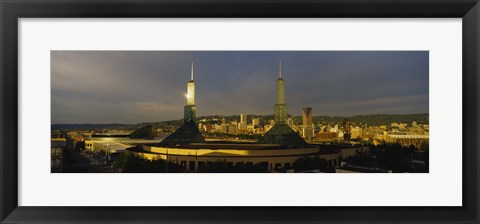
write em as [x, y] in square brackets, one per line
[280, 109]
[189, 111]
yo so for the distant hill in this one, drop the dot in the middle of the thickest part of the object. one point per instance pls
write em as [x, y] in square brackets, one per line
[375, 119]
[92, 126]
[371, 120]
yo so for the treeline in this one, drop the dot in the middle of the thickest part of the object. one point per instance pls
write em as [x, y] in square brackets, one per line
[92, 126]
[371, 120]
[225, 135]
[392, 157]
[132, 163]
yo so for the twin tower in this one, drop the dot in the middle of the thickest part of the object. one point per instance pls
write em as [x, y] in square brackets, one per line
[280, 110]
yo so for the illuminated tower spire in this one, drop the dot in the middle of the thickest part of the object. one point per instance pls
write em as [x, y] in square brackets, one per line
[280, 109]
[191, 90]
[281, 133]
[280, 68]
[191, 79]
[190, 109]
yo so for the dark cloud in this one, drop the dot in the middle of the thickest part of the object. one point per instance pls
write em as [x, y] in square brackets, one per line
[142, 86]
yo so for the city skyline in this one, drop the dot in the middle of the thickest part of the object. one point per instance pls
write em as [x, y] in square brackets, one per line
[147, 86]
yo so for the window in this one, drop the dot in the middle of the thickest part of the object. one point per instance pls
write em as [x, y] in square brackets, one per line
[278, 165]
[191, 165]
[264, 166]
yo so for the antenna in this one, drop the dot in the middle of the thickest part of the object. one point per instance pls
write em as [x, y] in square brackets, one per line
[280, 67]
[192, 71]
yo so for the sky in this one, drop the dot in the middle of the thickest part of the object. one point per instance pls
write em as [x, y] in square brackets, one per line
[147, 86]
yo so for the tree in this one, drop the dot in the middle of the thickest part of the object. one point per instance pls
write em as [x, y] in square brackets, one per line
[80, 146]
[424, 146]
[225, 167]
[310, 163]
[132, 163]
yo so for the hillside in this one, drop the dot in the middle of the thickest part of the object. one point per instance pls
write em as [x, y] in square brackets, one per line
[371, 120]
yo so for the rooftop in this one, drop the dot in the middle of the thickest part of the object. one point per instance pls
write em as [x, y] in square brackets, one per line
[282, 134]
[186, 134]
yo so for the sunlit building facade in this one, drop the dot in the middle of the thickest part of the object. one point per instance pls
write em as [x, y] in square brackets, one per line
[307, 123]
[279, 148]
[190, 109]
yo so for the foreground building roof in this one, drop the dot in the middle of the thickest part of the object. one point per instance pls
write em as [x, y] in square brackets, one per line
[147, 132]
[282, 134]
[186, 134]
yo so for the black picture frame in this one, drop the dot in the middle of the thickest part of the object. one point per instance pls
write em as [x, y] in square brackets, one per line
[11, 11]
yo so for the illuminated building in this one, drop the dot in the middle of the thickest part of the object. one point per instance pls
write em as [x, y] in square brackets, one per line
[232, 129]
[346, 130]
[242, 125]
[290, 122]
[57, 147]
[224, 121]
[243, 118]
[307, 123]
[307, 116]
[356, 132]
[224, 128]
[188, 132]
[326, 136]
[280, 110]
[189, 111]
[255, 122]
[279, 148]
[281, 133]
[407, 140]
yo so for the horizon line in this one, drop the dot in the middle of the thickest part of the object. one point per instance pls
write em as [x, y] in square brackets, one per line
[236, 115]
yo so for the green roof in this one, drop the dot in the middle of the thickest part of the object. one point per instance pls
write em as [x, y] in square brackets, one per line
[186, 134]
[147, 132]
[282, 134]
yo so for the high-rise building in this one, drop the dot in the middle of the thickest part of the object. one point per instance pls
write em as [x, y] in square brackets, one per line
[290, 122]
[189, 111]
[280, 109]
[243, 118]
[307, 116]
[255, 122]
[267, 127]
[272, 122]
[232, 129]
[242, 126]
[356, 132]
[281, 133]
[224, 128]
[188, 132]
[308, 128]
[347, 135]
[308, 131]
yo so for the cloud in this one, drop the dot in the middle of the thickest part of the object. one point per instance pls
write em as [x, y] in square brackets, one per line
[138, 86]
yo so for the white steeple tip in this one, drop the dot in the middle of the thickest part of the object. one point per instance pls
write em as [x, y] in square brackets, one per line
[192, 72]
[280, 65]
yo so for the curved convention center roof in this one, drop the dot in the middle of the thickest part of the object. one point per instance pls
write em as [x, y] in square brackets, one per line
[234, 150]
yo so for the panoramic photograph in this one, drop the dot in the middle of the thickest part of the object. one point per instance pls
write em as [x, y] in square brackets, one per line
[239, 111]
